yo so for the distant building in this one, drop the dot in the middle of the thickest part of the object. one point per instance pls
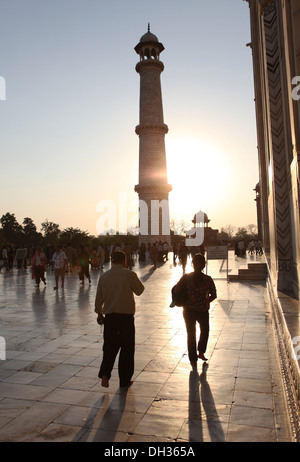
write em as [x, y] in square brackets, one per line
[210, 234]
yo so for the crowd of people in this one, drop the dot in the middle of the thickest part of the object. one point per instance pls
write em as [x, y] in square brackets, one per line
[58, 259]
[83, 259]
[254, 247]
[8, 256]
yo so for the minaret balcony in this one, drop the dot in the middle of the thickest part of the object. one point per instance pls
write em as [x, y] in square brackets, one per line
[153, 128]
[164, 188]
[149, 63]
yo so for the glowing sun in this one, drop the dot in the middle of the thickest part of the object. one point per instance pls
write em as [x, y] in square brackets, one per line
[198, 172]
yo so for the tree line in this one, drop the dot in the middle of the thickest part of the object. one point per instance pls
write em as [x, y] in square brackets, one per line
[27, 235]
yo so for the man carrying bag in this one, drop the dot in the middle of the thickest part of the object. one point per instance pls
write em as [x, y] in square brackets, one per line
[195, 291]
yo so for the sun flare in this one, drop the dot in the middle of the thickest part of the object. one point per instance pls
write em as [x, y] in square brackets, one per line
[199, 173]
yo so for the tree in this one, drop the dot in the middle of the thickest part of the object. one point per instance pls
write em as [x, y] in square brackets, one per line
[252, 231]
[30, 235]
[178, 228]
[229, 230]
[51, 232]
[11, 229]
[242, 233]
[29, 226]
[73, 236]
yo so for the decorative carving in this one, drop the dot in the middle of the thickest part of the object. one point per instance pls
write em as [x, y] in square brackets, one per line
[278, 147]
[148, 188]
[149, 63]
[160, 128]
[266, 6]
[267, 3]
[285, 265]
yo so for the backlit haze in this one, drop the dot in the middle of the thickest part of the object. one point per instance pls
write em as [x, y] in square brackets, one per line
[67, 126]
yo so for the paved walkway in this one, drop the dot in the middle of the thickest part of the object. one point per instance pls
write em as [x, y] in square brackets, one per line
[49, 389]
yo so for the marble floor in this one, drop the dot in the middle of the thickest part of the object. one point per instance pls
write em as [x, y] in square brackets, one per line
[50, 392]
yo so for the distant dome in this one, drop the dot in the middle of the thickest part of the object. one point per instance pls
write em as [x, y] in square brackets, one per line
[150, 41]
[148, 37]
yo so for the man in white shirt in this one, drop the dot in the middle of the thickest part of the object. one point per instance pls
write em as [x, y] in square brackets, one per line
[115, 306]
[59, 260]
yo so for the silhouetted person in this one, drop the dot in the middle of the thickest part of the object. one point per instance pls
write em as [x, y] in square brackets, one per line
[199, 291]
[154, 255]
[115, 306]
[183, 254]
[59, 260]
[84, 263]
[39, 262]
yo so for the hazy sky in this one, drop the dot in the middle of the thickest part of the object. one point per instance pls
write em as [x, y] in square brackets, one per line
[67, 125]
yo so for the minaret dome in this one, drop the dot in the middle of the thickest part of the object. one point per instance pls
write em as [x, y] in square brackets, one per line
[149, 47]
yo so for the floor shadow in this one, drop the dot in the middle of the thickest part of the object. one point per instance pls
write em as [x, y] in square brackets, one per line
[110, 421]
[194, 418]
[112, 417]
[83, 434]
[200, 396]
[148, 275]
[84, 294]
[213, 422]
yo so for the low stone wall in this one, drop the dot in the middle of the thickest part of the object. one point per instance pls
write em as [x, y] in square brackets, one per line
[289, 362]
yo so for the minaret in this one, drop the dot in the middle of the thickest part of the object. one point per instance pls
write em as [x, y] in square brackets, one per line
[153, 188]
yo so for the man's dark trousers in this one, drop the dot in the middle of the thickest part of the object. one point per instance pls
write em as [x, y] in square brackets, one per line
[191, 318]
[119, 334]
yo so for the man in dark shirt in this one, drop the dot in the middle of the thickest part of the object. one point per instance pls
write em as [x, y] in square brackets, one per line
[199, 291]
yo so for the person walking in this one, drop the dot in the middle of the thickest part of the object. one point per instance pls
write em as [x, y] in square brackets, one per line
[183, 255]
[154, 254]
[200, 291]
[101, 256]
[59, 260]
[115, 307]
[84, 264]
[165, 251]
[5, 258]
[39, 262]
